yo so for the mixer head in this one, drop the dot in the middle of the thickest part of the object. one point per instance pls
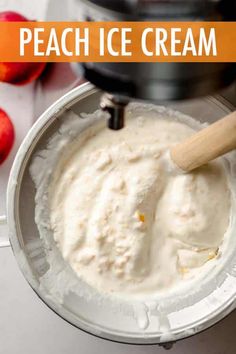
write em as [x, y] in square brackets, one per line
[157, 82]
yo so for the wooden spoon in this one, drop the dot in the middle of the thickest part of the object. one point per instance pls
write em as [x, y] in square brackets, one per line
[205, 145]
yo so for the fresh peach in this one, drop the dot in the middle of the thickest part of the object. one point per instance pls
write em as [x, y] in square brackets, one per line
[18, 73]
[11, 16]
[7, 135]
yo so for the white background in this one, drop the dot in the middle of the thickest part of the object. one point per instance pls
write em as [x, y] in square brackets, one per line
[26, 324]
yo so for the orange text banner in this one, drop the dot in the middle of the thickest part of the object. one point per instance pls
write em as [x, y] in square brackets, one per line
[118, 41]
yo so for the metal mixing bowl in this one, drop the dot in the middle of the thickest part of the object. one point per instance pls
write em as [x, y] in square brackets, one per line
[29, 251]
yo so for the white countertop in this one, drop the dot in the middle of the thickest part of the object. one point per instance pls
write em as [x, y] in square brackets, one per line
[26, 324]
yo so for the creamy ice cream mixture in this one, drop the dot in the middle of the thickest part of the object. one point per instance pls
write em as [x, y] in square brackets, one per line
[126, 223]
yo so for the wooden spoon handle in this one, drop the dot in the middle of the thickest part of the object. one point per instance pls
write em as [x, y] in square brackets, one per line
[207, 144]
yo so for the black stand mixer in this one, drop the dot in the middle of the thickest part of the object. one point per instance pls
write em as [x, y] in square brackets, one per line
[160, 82]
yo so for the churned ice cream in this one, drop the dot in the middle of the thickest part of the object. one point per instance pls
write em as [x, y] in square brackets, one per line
[128, 225]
